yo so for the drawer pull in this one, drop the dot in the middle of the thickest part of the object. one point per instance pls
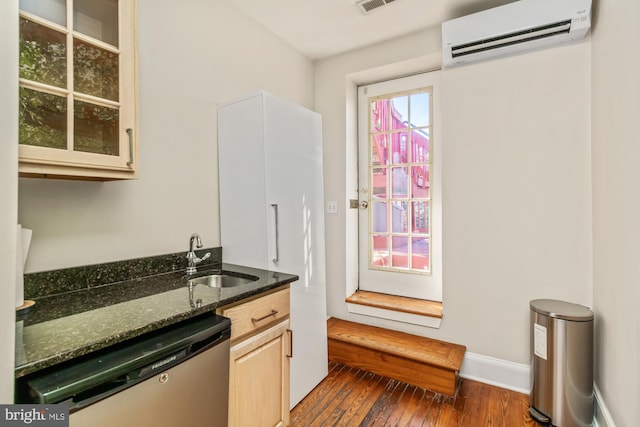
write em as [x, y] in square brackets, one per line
[273, 313]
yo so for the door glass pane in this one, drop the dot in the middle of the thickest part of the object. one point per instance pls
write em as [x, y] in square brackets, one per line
[399, 147]
[379, 217]
[380, 253]
[380, 115]
[95, 71]
[400, 112]
[399, 180]
[420, 217]
[51, 10]
[379, 150]
[420, 253]
[43, 119]
[420, 109]
[379, 183]
[399, 217]
[420, 146]
[420, 182]
[400, 252]
[43, 54]
[95, 129]
[97, 19]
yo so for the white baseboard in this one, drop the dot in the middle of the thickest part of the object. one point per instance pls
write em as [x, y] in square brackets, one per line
[517, 377]
[501, 373]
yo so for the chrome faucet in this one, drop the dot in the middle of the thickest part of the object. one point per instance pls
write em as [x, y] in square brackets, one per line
[192, 258]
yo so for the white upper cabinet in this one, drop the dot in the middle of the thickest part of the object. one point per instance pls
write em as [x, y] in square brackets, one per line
[77, 112]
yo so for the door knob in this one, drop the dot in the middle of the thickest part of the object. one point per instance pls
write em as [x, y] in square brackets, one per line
[364, 204]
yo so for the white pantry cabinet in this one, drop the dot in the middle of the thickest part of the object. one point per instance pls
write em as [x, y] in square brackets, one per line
[271, 213]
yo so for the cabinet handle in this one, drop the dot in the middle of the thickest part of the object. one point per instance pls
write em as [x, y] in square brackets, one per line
[273, 313]
[130, 133]
[290, 332]
[275, 208]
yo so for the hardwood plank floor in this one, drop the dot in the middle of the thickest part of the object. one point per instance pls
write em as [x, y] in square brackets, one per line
[352, 397]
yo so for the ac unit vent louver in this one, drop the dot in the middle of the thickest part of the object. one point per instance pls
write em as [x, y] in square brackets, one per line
[513, 28]
[511, 39]
[367, 6]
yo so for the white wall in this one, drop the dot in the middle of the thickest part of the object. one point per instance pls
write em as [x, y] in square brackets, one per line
[616, 206]
[192, 55]
[516, 176]
[8, 190]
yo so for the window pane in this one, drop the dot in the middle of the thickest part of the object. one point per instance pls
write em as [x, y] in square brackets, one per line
[420, 182]
[97, 19]
[380, 254]
[400, 251]
[399, 180]
[43, 54]
[43, 119]
[379, 183]
[420, 109]
[95, 71]
[400, 112]
[95, 129]
[379, 217]
[399, 217]
[379, 150]
[51, 10]
[420, 253]
[380, 116]
[420, 217]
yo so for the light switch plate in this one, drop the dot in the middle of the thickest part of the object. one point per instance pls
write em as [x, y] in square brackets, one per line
[332, 207]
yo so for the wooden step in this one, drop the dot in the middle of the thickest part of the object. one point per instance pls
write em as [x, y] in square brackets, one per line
[420, 361]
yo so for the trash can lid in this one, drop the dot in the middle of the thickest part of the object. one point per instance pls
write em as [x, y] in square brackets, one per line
[561, 310]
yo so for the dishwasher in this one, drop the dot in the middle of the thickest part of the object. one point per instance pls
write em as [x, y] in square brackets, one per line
[177, 376]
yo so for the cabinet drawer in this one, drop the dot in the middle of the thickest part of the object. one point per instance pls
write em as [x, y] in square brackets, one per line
[258, 313]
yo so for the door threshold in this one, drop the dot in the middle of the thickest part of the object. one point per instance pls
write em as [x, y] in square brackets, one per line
[394, 307]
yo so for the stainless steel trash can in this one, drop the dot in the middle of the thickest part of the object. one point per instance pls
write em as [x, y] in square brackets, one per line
[562, 363]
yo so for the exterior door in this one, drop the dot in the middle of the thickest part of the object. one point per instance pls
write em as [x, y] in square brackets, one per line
[400, 187]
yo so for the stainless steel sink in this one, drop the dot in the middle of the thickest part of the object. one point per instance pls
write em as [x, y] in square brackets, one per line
[223, 280]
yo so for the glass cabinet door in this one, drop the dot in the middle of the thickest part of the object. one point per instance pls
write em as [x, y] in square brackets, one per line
[77, 93]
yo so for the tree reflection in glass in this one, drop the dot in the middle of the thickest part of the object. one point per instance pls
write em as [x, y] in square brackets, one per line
[95, 71]
[95, 129]
[43, 119]
[43, 54]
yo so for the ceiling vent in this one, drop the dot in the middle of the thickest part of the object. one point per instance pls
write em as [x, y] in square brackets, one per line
[367, 6]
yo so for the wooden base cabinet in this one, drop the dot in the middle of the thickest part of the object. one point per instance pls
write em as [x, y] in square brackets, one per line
[259, 379]
[259, 388]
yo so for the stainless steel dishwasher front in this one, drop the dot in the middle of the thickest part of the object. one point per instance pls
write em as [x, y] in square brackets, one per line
[176, 377]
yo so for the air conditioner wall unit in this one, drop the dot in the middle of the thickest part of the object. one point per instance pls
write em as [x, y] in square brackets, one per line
[513, 28]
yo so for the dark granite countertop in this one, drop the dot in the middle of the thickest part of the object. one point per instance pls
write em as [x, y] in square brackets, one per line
[64, 326]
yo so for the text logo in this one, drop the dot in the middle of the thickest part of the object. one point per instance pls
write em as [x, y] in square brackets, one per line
[34, 415]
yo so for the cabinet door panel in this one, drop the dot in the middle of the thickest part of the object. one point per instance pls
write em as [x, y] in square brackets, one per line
[259, 380]
[241, 166]
[294, 182]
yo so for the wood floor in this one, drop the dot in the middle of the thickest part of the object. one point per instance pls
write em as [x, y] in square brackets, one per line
[351, 397]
